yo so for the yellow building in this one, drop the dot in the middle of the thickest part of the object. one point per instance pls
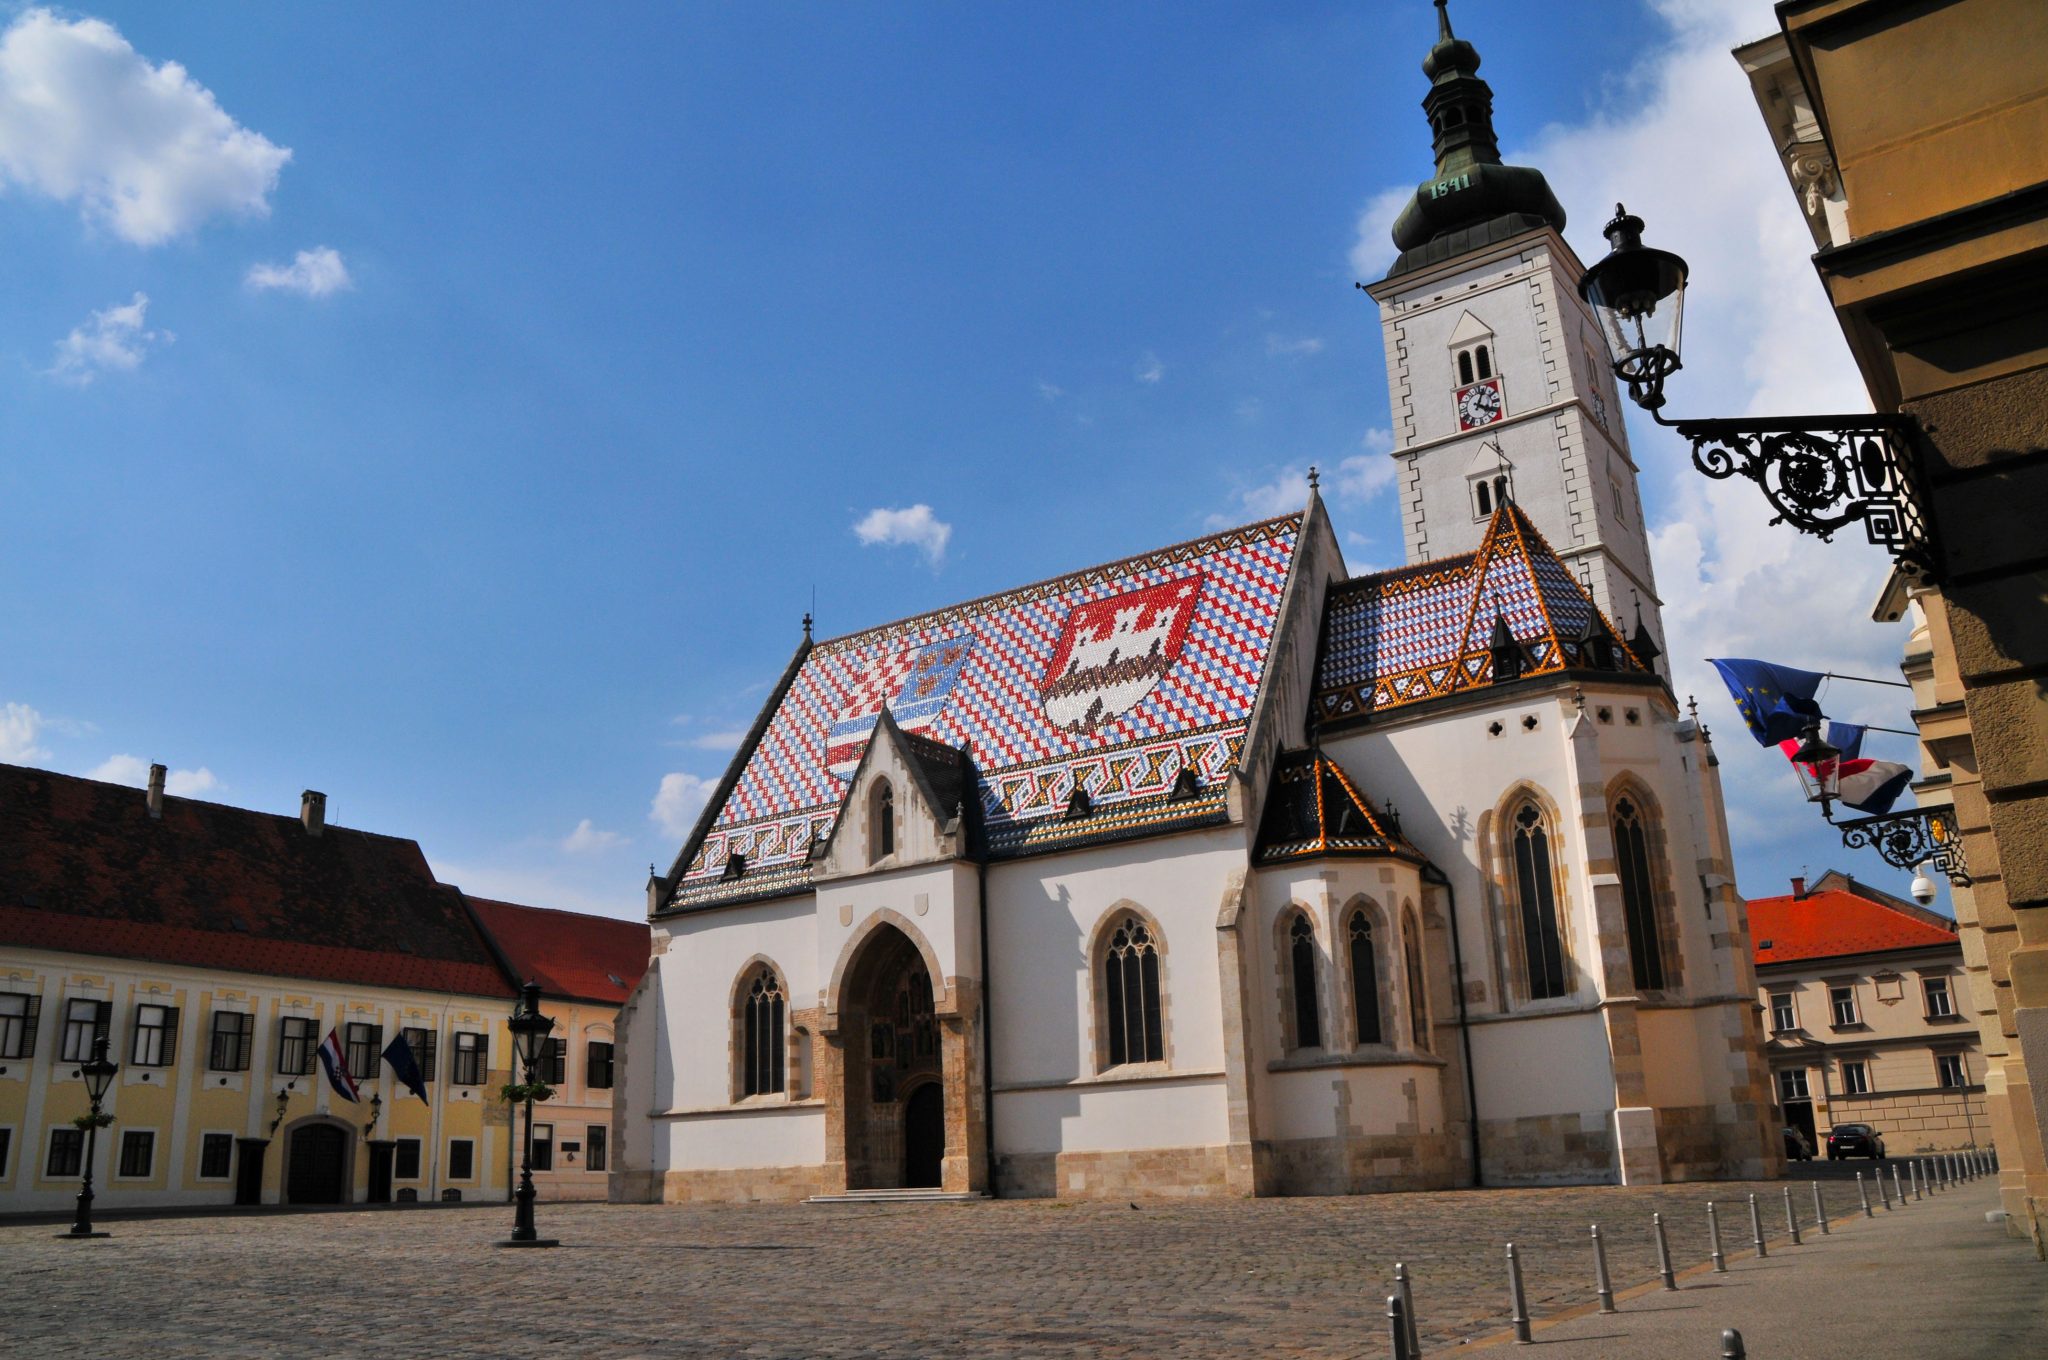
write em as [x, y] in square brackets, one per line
[216, 948]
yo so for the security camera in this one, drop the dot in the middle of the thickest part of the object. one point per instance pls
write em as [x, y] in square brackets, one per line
[1923, 889]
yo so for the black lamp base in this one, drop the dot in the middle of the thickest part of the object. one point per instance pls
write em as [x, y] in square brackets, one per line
[80, 1236]
[536, 1242]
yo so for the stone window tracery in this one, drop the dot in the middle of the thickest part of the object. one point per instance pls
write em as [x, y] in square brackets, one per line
[1130, 978]
[1365, 979]
[1418, 992]
[1639, 903]
[881, 822]
[761, 1057]
[1542, 946]
[1301, 953]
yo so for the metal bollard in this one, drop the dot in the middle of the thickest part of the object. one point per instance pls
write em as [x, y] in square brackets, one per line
[1397, 1324]
[1756, 1230]
[1898, 1190]
[1820, 1211]
[1714, 1237]
[1950, 1170]
[1731, 1345]
[1407, 1293]
[1883, 1191]
[1663, 1252]
[1913, 1174]
[1863, 1192]
[1791, 1219]
[1521, 1308]
[1601, 1285]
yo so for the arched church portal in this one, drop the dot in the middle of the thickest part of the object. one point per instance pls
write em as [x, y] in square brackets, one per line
[894, 1073]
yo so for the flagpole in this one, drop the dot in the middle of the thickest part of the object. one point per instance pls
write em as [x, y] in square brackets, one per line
[1866, 680]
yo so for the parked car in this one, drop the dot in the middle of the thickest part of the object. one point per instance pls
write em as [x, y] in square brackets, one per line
[1855, 1140]
[1797, 1149]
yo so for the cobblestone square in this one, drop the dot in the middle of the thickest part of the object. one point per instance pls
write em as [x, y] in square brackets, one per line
[1289, 1277]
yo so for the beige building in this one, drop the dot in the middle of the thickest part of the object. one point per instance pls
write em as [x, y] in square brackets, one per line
[1916, 136]
[1862, 995]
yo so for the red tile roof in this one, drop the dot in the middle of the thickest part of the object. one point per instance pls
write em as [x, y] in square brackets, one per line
[588, 958]
[1833, 923]
[85, 869]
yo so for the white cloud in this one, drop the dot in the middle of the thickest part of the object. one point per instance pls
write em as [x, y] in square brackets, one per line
[1248, 408]
[677, 802]
[313, 273]
[914, 527]
[134, 771]
[719, 741]
[112, 341]
[1150, 369]
[20, 725]
[1351, 482]
[141, 148]
[1297, 348]
[587, 839]
[1049, 391]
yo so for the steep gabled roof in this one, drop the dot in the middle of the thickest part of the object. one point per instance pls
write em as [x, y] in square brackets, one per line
[1113, 679]
[1424, 631]
[585, 958]
[85, 869]
[1834, 924]
[1314, 810]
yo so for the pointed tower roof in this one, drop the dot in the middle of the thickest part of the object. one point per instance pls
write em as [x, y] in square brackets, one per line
[1472, 199]
[1313, 809]
[1435, 628]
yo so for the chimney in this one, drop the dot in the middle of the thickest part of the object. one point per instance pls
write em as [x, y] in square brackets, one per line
[156, 792]
[1799, 889]
[313, 811]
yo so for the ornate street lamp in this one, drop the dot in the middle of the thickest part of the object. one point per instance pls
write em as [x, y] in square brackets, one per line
[1819, 767]
[530, 1030]
[1819, 473]
[1905, 840]
[98, 1075]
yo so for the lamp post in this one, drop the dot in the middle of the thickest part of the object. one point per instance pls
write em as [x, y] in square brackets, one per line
[530, 1030]
[98, 1075]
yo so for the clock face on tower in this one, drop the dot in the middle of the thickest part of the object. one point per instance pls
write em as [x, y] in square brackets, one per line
[1479, 404]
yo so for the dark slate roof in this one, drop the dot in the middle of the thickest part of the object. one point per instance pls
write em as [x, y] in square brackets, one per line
[584, 958]
[1425, 631]
[1313, 809]
[1114, 679]
[84, 869]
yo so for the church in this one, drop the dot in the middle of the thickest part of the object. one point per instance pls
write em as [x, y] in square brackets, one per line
[1221, 871]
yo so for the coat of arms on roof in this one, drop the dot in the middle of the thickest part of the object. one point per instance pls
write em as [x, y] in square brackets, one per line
[913, 682]
[1112, 652]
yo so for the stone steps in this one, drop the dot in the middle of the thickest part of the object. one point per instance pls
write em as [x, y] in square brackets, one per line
[924, 1195]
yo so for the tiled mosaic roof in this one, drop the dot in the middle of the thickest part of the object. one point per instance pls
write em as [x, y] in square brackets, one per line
[1115, 678]
[1421, 632]
[1313, 809]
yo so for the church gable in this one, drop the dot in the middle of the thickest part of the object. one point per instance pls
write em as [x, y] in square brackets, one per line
[1113, 681]
[905, 804]
[1425, 631]
[1314, 809]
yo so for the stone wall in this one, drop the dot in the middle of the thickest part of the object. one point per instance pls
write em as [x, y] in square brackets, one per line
[1142, 1173]
[1915, 1121]
[782, 1184]
[1549, 1149]
[1712, 1142]
[1364, 1164]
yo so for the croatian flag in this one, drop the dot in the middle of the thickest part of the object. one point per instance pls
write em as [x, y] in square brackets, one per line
[1871, 786]
[335, 1064]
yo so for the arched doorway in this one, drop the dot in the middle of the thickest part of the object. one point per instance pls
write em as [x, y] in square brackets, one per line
[924, 1135]
[317, 1165]
[893, 1061]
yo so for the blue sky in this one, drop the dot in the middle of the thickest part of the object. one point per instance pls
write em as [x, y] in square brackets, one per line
[476, 460]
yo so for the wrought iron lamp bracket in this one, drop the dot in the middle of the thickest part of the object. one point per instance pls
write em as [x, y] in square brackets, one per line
[1822, 474]
[1908, 839]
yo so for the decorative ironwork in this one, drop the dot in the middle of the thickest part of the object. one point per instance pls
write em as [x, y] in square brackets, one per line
[1824, 473]
[1908, 839]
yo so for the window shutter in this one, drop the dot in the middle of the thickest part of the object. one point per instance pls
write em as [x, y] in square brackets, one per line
[28, 1027]
[244, 1037]
[170, 1051]
[376, 1050]
[102, 1020]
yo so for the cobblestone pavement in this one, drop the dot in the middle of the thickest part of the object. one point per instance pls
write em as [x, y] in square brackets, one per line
[1290, 1277]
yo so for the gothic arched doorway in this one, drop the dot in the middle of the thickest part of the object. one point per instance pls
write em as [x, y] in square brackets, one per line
[924, 1136]
[317, 1167]
[893, 1062]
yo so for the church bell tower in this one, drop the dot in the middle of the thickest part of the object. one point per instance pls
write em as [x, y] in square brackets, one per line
[1497, 373]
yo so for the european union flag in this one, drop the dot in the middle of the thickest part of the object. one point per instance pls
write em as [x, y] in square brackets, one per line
[405, 1067]
[1775, 701]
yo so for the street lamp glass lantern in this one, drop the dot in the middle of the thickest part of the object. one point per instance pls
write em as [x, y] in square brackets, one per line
[1820, 768]
[1638, 294]
[98, 1073]
[530, 1029]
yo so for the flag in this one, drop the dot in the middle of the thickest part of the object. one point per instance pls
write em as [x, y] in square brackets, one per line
[404, 1066]
[1867, 785]
[335, 1064]
[1775, 701]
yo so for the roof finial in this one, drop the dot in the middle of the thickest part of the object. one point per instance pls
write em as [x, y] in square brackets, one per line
[807, 625]
[1443, 20]
[1314, 478]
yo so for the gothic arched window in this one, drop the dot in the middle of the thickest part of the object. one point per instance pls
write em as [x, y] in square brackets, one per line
[761, 1053]
[1484, 362]
[1482, 497]
[1418, 992]
[1130, 990]
[1301, 953]
[1365, 979]
[881, 822]
[1639, 903]
[1464, 367]
[1542, 948]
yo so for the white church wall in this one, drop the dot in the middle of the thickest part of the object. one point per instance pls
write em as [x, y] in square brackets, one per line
[1177, 1112]
[745, 1137]
[1542, 1065]
[933, 902]
[708, 952]
[1339, 1102]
